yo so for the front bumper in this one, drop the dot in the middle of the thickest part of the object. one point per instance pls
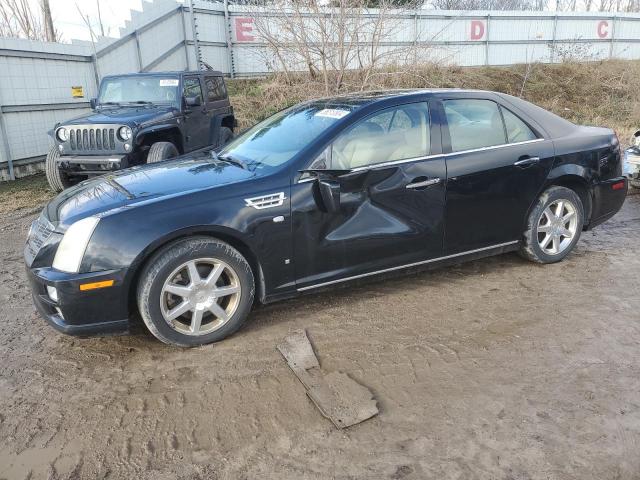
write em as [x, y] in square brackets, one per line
[96, 164]
[77, 312]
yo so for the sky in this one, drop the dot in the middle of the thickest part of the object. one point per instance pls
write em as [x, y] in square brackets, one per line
[69, 22]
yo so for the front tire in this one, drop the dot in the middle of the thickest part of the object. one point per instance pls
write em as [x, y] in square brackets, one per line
[161, 151]
[554, 226]
[195, 291]
[58, 180]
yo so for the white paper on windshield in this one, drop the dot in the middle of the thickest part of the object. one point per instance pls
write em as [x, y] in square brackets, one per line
[332, 113]
[168, 82]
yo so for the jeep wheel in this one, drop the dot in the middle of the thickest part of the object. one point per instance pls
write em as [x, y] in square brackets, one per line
[224, 136]
[58, 180]
[161, 151]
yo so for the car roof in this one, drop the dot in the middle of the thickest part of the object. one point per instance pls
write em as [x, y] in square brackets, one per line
[361, 99]
[375, 96]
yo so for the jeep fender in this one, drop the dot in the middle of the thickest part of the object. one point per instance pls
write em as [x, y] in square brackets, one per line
[159, 129]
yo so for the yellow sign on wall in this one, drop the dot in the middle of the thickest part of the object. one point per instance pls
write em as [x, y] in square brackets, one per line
[77, 92]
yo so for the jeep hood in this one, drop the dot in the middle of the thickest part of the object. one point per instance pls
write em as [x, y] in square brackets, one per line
[129, 115]
[127, 188]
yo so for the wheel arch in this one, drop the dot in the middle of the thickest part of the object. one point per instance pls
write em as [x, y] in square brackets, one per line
[161, 133]
[225, 234]
[578, 184]
[570, 176]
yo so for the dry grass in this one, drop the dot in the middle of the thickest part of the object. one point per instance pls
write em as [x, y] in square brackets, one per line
[598, 93]
[27, 192]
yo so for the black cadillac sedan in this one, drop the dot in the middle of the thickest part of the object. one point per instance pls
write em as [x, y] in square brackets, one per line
[325, 192]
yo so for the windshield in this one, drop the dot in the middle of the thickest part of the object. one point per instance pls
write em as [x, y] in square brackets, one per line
[280, 137]
[139, 89]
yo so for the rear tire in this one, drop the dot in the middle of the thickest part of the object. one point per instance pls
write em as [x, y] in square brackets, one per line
[554, 226]
[195, 291]
[161, 151]
[225, 135]
[58, 180]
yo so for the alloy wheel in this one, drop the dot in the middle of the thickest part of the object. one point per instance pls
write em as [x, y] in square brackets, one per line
[200, 296]
[557, 226]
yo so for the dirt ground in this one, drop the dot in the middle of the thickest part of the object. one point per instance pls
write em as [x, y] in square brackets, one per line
[496, 369]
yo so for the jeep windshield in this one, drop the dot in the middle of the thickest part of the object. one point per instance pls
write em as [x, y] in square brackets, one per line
[139, 90]
[276, 140]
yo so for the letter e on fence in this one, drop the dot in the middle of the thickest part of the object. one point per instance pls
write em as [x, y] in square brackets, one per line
[477, 30]
[603, 29]
[244, 28]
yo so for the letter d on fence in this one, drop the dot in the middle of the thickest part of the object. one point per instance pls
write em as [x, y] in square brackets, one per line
[477, 30]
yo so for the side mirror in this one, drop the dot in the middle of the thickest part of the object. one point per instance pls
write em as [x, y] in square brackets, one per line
[330, 194]
[193, 101]
[635, 139]
[93, 103]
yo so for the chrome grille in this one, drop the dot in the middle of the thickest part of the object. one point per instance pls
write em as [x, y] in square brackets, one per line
[90, 139]
[39, 233]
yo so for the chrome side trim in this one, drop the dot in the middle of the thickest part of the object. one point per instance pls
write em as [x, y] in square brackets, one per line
[428, 157]
[484, 149]
[409, 265]
[426, 183]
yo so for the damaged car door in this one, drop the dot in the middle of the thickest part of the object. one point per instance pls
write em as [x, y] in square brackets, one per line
[373, 200]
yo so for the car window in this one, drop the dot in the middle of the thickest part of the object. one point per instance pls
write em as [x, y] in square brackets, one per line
[192, 87]
[139, 88]
[474, 124]
[271, 143]
[215, 87]
[394, 134]
[517, 130]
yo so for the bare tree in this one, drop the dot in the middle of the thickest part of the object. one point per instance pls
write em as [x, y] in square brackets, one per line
[327, 41]
[19, 19]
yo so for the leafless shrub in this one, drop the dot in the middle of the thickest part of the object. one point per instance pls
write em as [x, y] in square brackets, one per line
[328, 41]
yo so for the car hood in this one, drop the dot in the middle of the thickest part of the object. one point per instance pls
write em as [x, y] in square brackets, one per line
[125, 115]
[127, 188]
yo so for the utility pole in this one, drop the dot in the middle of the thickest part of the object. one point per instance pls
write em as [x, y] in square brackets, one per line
[100, 19]
[49, 31]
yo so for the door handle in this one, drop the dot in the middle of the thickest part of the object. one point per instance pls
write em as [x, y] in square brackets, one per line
[426, 183]
[525, 162]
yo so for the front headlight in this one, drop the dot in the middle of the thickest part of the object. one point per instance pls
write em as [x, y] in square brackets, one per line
[62, 134]
[71, 249]
[124, 133]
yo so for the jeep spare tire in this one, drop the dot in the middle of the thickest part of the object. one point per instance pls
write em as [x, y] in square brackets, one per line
[161, 151]
[58, 180]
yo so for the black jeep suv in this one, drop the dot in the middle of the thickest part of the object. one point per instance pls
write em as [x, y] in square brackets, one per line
[141, 118]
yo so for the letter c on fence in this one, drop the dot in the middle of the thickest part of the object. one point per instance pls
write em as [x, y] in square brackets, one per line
[477, 30]
[244, 27]
[603, 29]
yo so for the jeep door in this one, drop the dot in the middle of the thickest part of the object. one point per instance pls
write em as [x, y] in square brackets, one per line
[497, 164]
[391, 200]
[196, 118]
[217, 104]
